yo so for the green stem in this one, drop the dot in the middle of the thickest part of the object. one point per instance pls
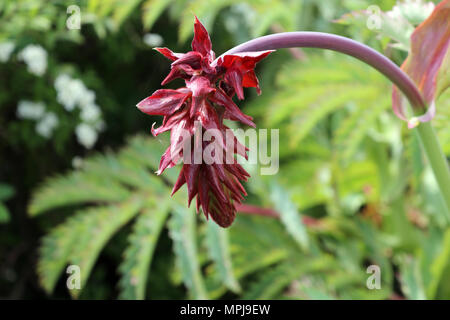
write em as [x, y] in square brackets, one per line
[437, 160]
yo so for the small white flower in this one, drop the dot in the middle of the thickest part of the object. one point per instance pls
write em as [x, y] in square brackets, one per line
[70, 91]
[153, 39]
[86, 135]
[90, 113]
[47, 124]
[61, 81]
[6, 48]
[36, 59]
[30, 110]
[86, 99]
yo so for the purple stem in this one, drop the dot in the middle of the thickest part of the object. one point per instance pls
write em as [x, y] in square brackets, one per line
[341, 44]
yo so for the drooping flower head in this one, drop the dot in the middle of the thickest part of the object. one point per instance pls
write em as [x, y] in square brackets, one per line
[197, 108]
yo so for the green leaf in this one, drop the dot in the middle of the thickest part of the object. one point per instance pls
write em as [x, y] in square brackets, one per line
[205, 10]
[289, 215]
[356, 126]
[437, 268]
[152, 10]
[396, 28]
[182, 231]
[100, 225]
[139, 254]
[218, 248]
[305, 120]
[274, 281]
[123, 10]
[56, 248]
[78, 187]
[411, 280]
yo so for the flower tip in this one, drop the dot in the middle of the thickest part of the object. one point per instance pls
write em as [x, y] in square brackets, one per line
[140, 104]
[153, 129]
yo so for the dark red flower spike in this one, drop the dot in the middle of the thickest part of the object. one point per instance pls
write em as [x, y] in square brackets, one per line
[206, 100]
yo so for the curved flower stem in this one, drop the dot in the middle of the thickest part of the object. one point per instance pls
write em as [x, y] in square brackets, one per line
[368, 55]
[340, 44]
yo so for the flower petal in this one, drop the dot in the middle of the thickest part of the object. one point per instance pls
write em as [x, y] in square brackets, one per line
[169, 122]
[192, 58]
[203, 189]
[244, 61]
[180, 181]
[164, 101]
[200, 87]
[201, 42]
[166, 162]
[234, 78]
[216, 186]
[223, 215]
[233, 111]
[250, 80]
[184, 71]
[191, 175]
[169, 54]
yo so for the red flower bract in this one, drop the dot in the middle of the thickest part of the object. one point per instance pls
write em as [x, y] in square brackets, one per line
[207, 99]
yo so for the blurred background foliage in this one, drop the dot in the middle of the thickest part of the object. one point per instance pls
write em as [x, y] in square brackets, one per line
[77, 183]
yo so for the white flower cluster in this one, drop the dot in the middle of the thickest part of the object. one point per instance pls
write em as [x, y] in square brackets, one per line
[6, 48]
[46, 121]
[72, 93]
[35, 58]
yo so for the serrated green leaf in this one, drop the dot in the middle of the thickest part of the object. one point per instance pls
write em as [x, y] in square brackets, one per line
[139, 253]
[182, 231]
[100, 225]
[152, 10]
[411, 280]
[76, 188]
[289, 215]
[274, 281]
[56, 248]
[218, 248]
[356, 126]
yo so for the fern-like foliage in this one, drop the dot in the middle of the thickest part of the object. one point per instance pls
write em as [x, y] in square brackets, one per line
[142, 243]
[108, 192]
[210, 261]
